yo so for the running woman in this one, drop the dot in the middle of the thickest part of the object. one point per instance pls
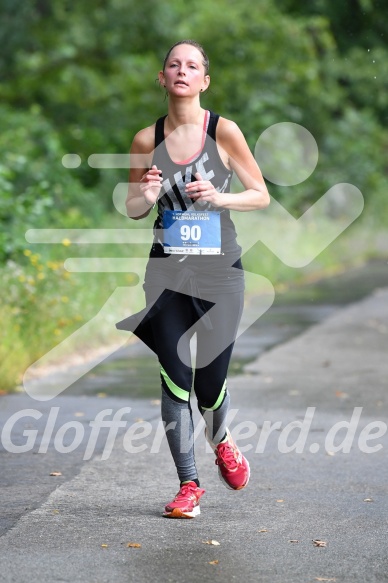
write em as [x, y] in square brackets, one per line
[194, 281]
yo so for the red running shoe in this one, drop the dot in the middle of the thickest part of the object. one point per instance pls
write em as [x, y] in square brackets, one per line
[185, 503]
[233, 467]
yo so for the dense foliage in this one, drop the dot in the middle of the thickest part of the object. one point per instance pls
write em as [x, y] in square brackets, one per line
[81, 77]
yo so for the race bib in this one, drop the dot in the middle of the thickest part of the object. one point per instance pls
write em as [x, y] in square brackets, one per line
[192, 232]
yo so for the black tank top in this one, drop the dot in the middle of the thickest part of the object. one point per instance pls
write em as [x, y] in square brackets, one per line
[172, 196]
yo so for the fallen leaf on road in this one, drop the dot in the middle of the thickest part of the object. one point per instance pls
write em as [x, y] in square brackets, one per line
[139, 419]
[214, 562]
[330, 453]
[133, 545]
[319, 543]
[263, 530]
[368, 500]
[101, 395]
[279, 500]
[155, 402]
[55, 511]
[341, 394]
[79, 414]
[104, 546]
[211, 542]
[55, 473]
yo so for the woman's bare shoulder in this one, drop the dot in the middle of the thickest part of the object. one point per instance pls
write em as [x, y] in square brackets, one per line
[227, 129]
[144, 140]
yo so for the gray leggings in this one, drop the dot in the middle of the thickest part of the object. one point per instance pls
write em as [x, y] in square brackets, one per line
[172, 329]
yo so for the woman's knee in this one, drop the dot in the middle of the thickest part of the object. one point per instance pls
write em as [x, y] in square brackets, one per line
[210, 396]
[177, 380]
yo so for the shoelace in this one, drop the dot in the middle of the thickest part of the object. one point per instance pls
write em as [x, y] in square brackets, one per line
[185, 492]
[226, 454]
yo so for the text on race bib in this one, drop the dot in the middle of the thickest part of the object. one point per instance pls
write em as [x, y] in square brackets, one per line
[192, 232]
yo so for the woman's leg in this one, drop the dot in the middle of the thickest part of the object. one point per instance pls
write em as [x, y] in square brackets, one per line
[169, 326]
[210, 378]
[210, 387]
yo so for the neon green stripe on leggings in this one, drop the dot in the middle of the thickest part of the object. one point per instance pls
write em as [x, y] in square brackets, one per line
[177, 391]
[219, 400]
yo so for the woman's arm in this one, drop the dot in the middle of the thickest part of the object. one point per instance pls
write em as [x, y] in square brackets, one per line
[231, 140]
[144, 182]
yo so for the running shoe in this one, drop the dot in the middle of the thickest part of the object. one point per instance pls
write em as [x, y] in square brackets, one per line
[185, 503]
[233, 467]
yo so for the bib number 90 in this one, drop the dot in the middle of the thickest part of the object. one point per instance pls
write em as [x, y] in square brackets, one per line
[193, 232]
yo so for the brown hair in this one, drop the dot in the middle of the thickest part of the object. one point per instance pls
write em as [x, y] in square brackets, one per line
[193, 43]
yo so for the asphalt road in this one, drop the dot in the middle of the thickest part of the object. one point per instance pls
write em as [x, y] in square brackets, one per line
[324, 477]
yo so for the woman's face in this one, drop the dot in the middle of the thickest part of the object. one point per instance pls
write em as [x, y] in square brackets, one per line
[184, 73]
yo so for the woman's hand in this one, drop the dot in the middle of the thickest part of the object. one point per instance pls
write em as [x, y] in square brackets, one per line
[203, 191]
[151, 184]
